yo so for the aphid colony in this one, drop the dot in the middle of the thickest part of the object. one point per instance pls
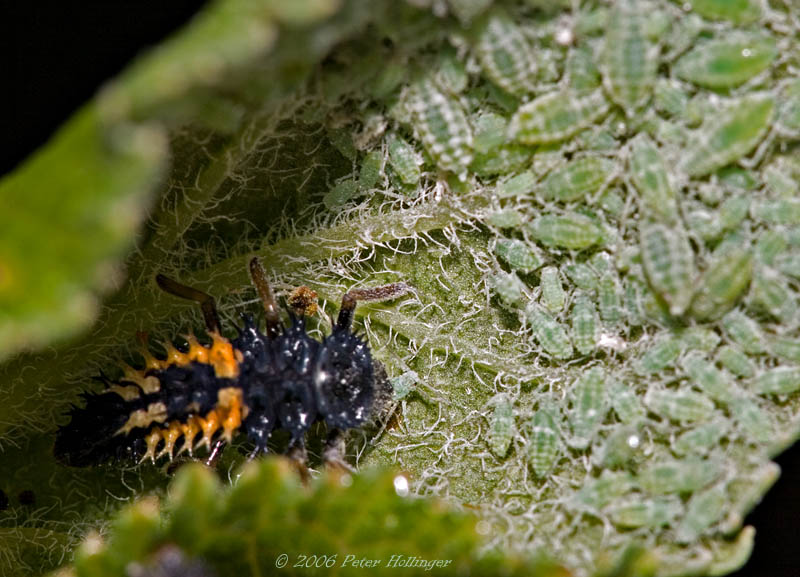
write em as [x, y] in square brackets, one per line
[636, 167]
[203, 396]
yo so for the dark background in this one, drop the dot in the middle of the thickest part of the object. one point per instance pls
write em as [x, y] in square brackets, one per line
[57, 55]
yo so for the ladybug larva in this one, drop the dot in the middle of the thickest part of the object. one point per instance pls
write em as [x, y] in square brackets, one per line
[254, 384]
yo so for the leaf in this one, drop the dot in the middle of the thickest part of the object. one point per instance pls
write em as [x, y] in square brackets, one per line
[269, 518]
[69, 214]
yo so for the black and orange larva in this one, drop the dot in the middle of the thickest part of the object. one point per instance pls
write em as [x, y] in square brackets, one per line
[253, 384]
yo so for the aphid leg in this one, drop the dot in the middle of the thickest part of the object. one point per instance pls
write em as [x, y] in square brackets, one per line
[216, 453]
[333, 454]
[206, 301]
[260, 281]
[352, 297]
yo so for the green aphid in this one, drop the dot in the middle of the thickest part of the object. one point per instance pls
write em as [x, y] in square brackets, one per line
[789, 264]
[609, 300]
[777, 211]
[543, 442]
[589, 407]
[736, 11]
[769, 245]
[745, 493]
[684, 34]
[489, 132]
[660, 355]
[737, 178]
[721, 285]
[728, 135]
[708, 378]
[701, 221]
[518, 254]
[585, 329]
[649, 175]
[780, 181]
[595, 494]
[668, 262]
[597, 139]
[516, 186]
[701, 439]
[629, 58]
[591, 22]
[670, 98]
[682, 406]
[752, 420]
[451, 73]
[785, 347]
[657, 24]
[667, 132]
[404, 160]
[442, 126]
[548, 157]
[626, 403]
[551, 335]
[601, 263]
[612, 202]
[503, 160]
[342, 140]
[388, 79]
[736, 361]
[571, 230]
[703, 510]
[467, 10]
[506, 218]
[651, 513]
[581, 275]
[556, 116]
[581, 69]
[578, 179]
[772, 294]
[342, 193]
[370, 172]
[553, 296]
[777, 381]
[505, 55]
[745, 332]
[787, 121]
[620, 449]
[699, 338]
[403, 385]
[508, 288]
[733, 211]
[634, 295]
[729, 61]
[501, 428]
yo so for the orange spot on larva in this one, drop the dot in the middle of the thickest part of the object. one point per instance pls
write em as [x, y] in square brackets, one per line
[229, 405]
[222, 357]
[197, 352]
